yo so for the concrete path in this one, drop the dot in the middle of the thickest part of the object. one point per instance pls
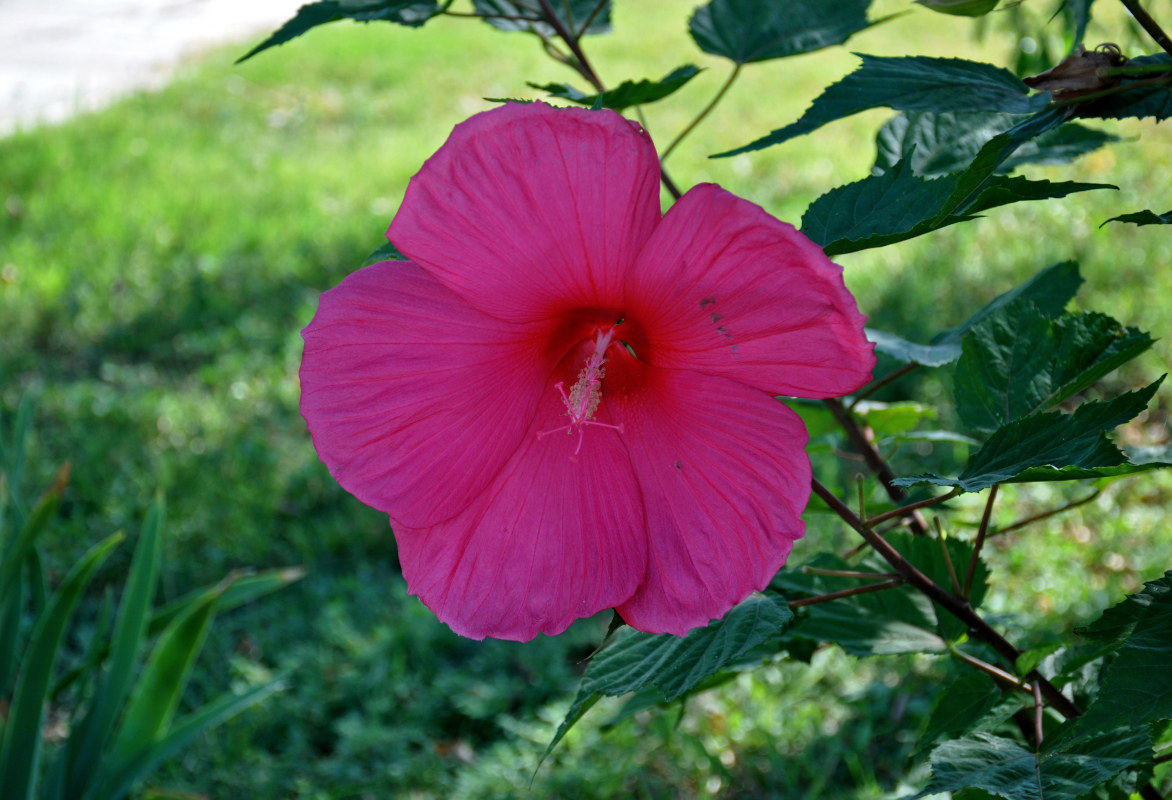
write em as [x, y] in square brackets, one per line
[61, 57]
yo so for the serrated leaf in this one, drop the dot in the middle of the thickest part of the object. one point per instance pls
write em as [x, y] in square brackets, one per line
[947, 143]
[1062, 770]
[930, 355]
[1017, 452]
[897, 205]
[580, 17]
[627, 93]
[412, 13]
[909, 83]
[1147, 217]
[1050, 290]
[1136, 688]
[1017, 362]
[745, 31]
[958, 708]
[673, 665]
[388, 252]
[1140, 97]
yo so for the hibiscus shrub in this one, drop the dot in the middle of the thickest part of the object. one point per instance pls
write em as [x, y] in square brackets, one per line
[568, 401]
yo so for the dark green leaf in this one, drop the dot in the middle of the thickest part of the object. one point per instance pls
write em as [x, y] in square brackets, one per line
[1050, 290]
[958, 708]
[911, 353]
[1136, 688]
[405, 12]
[1017, 450]
[946, 143]
[627, 93]
[1017, 362]
[961, 8]
[1144, 218]
[1063, 770]
[756, 30]
[673, 665]
[1141, 97]
[897, 205]
[524, 16]
[20, 748]
[910, 83]
[388, 252]
[1079, 12]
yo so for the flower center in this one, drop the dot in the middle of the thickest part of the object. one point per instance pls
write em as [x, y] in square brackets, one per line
[584, 396]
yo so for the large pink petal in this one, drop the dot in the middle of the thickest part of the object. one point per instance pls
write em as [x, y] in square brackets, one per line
[724, 288]
[529, 210]
[550, 541]
[415, 400]
[725, 479]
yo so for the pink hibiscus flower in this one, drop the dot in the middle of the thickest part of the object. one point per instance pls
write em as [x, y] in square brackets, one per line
[565, 399]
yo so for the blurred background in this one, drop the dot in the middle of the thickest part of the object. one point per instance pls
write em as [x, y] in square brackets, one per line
[168, 221]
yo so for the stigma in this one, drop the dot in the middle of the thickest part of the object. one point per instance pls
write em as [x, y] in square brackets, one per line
[584, 396]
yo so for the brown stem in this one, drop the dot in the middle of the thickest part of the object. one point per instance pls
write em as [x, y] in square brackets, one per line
[590, 19]
[872, 458]
[865, 589]
[982, 532]
[881, 382]
[903, 511]
[1148, 24]
[991, 670]
[847, 573]
[947, 557]
[1052, 512]
[1039, 710]
[977, 626]
[581, 63]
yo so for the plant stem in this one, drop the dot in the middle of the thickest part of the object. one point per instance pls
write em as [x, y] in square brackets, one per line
[959, 608]
[881, 382]
[1052, 512]
[1123, 87]
[704, 112]
[947, 557]
[865, 589]
[590, 19]
[847, 573]
[580, 62]
[982, 532]
[991, 670]
[1148, 24]
[903, 511]
[1039, 710]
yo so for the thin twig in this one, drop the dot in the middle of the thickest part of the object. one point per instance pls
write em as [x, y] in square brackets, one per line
[903, 511]
[847, 573]
[947, 558]
[1083, 99]
[991, 670]
[669, 184]
[590, 19]
[581, 63]
[704, 112]
[1039, 710]
[982, 532]
[1148, 24]
[1052, 512]
[472, 15]
[865, 589]
[876, 385]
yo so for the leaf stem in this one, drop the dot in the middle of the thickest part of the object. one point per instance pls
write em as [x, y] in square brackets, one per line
[982, 532]
[1123, 87]
[864, 589]
[1043, 515]
[1148, 24]
[881, 382]
[590, 19]
[704, 112]
[1039, 710]
[903, 511]
[947, 557]
[990, 669]
[579, 62]
[847, 573]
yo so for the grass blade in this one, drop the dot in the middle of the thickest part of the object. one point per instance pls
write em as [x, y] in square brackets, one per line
[14, 558]
[21, 747]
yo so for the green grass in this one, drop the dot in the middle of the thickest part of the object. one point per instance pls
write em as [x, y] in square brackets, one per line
[159, 257]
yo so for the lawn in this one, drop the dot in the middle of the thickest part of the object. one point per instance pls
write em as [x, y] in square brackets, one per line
[158, 258]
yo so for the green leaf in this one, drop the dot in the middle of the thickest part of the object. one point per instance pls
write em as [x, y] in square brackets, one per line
[88, 740]
[22, 545]
[1136, 688]
[627, 93]
[961, 8]
[909, 83]
[20, 748]
[120, 775]
[412, 13]
[1065, 769]
[947, 143]
[911, 353]
[673, 665]
[1079, 12]
[156, 694]
[1138, 97]
[1019, 451]
[1147, 217]
[1050, 290]
[756, 30]
[1017, 362]
[897, 205]
[958, 708]
[388, 252]
[524, 16]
